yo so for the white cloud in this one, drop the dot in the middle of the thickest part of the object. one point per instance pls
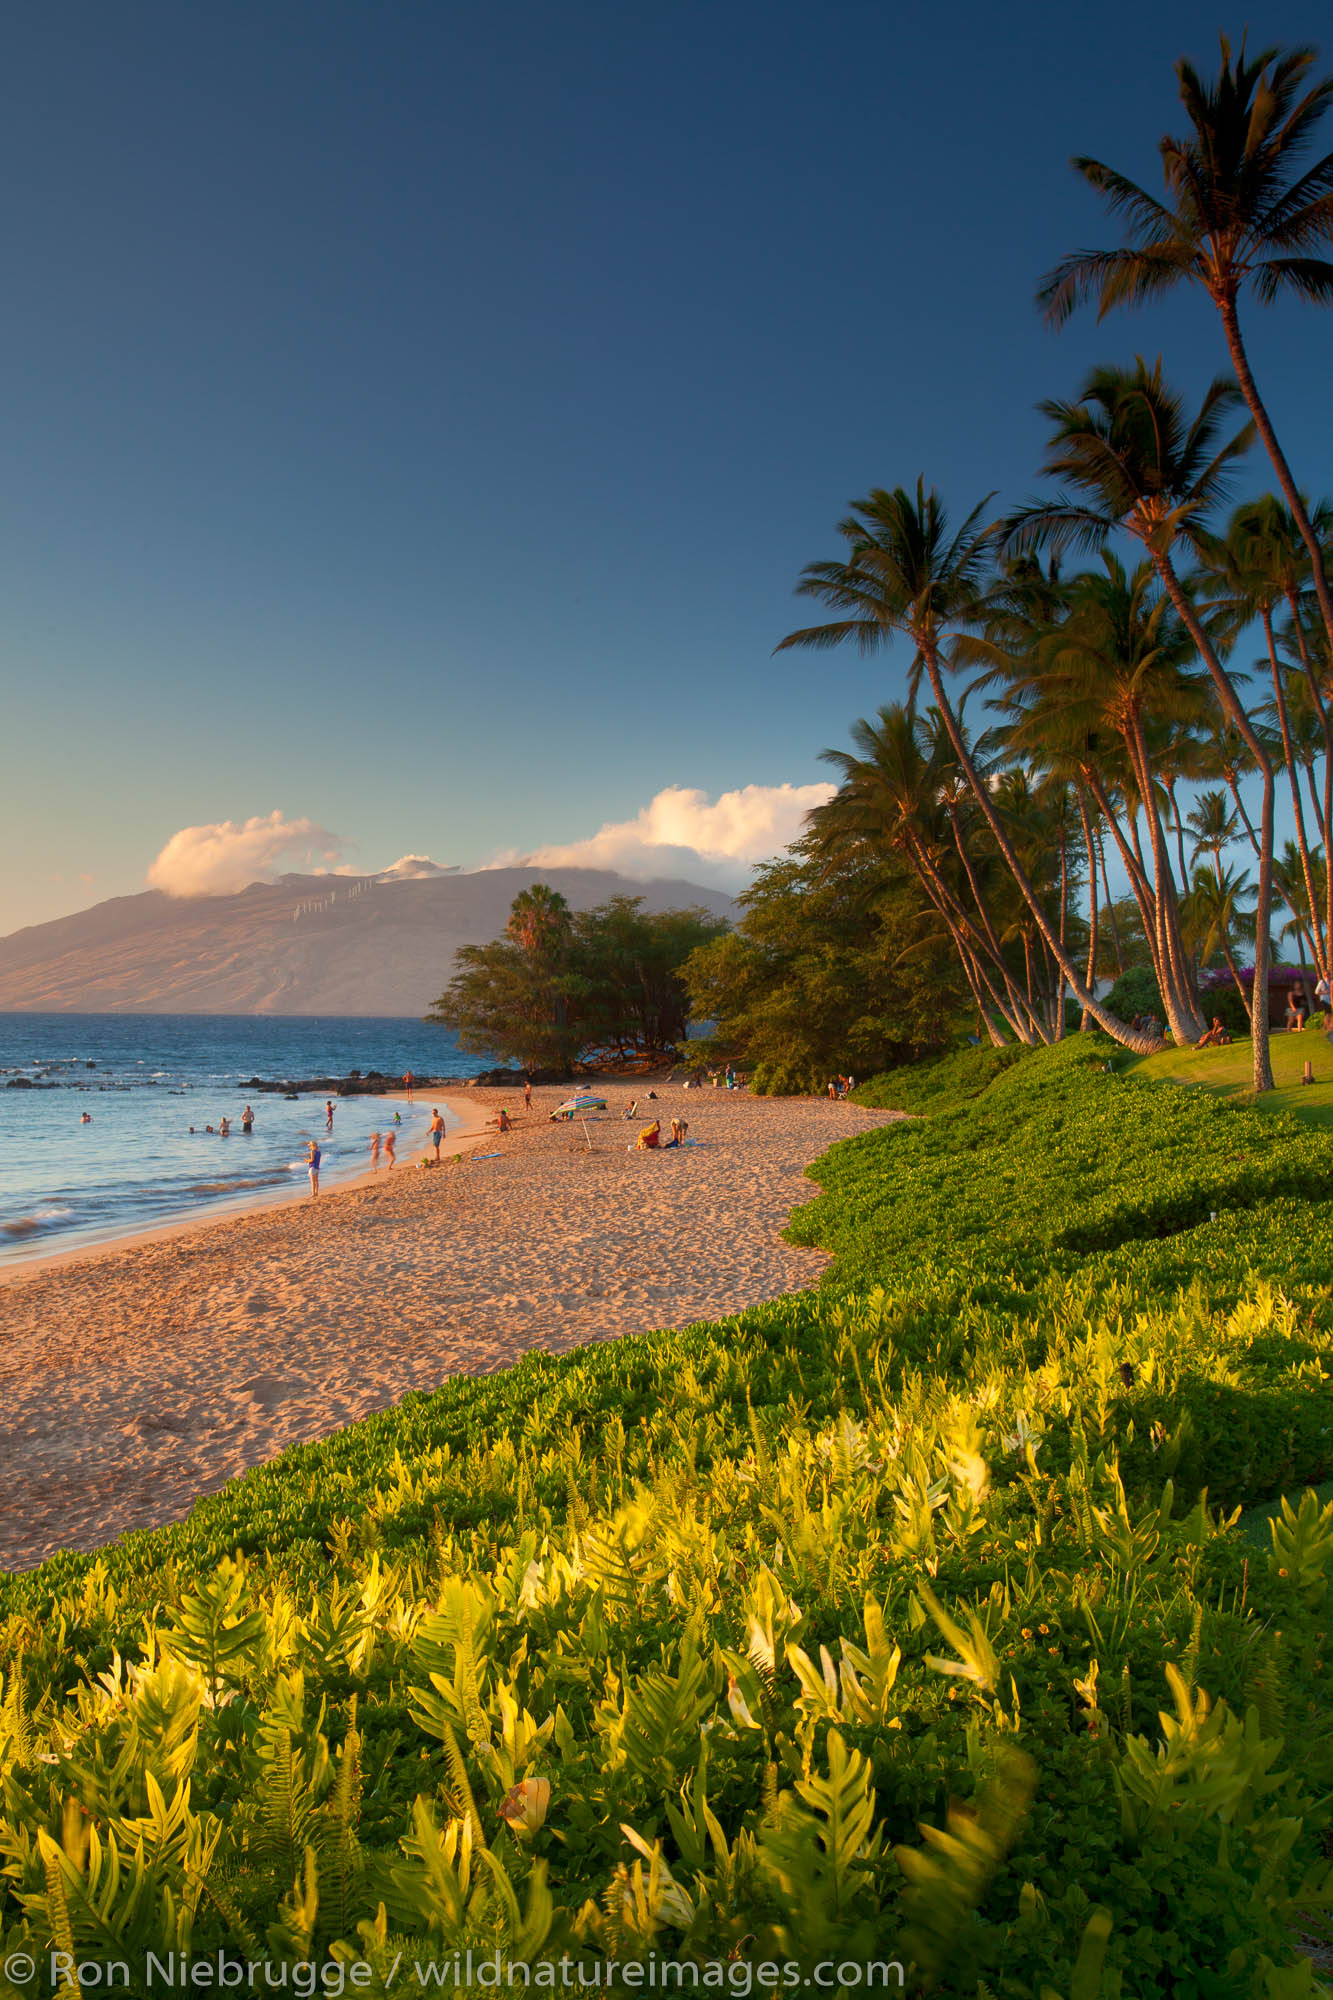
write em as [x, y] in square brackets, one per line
[681, 832]
[413, 868]
[218, 860]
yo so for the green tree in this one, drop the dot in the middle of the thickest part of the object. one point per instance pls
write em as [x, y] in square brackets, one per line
[1242, 212]
[904, 574]
[559, 988]
[835, 965]
[1131, 459]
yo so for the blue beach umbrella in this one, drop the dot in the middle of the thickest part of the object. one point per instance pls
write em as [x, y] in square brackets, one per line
[585, 1101]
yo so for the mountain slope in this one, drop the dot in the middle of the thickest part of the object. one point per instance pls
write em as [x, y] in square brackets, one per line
[309, 944]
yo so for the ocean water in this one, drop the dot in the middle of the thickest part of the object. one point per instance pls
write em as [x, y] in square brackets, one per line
[145, 1079]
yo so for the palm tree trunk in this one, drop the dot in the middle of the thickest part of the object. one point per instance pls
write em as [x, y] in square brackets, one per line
[1291, 493]
[1092, 899]
[1231, 706]
[1240, 984]
[962, 931]
[1064, 926]
[1181, 1013]
[1138, 882]
[1128, 1037]
[1110, 908]
[1234, 790]
[1293, 779]
[1324, 818]
[1180, 836]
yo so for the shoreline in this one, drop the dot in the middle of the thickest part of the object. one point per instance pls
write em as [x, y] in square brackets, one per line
[226, 1208]
[135, 1380]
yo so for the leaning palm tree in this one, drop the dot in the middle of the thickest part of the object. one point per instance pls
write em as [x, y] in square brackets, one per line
[1243, 211]
[905, 574]
[897, 794]
[1132, 460]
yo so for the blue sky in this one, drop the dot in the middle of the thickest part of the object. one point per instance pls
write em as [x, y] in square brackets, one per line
[418, 416]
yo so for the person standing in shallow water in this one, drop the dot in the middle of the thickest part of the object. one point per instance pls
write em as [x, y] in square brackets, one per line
[328, 1114]
[312, 1157]
[247, 1121]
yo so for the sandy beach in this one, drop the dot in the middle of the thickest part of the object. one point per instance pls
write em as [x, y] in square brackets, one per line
[137, 1378]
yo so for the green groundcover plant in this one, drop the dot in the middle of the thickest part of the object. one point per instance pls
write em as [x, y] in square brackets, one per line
[913, 1621]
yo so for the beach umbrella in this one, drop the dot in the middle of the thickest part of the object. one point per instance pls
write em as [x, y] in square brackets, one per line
[584, 1101]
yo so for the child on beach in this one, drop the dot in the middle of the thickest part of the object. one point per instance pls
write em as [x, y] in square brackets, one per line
[312, 1164]
[390, 1141]
[328, 1114]
[374, 1151]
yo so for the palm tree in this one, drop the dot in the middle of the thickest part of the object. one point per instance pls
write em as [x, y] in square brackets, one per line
[1126, 659]
[1133, 461]
[1217, 918]
[540, 923]
[1241, 212]
[1214, 827]
[1256, 566]
[539, 919]
[898, 794]
[905, 573]
[1115, 670]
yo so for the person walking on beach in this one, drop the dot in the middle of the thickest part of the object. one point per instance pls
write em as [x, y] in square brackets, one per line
[328, 1114]
[312, 1165]
[407, 1085]
[247, 1121]
[390, 1141]
[374, 1151]
[527, 1093]
[436, 1134]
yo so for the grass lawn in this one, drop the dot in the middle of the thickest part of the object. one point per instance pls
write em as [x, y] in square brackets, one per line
[1226, 1073]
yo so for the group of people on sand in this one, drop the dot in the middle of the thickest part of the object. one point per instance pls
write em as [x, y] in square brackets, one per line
[721, 1079]
[841, 1086]
[650, 1139]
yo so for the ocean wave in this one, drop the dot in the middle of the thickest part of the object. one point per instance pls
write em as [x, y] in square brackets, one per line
[235, 1186]
[29, 1225]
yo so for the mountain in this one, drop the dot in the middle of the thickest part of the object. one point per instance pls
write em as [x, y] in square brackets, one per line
[308, 944]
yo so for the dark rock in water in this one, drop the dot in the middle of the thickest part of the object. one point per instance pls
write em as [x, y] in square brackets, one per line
[373, 1084]
[29, 1083]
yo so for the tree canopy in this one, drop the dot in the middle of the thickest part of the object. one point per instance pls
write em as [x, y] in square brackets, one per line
[564, 989]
